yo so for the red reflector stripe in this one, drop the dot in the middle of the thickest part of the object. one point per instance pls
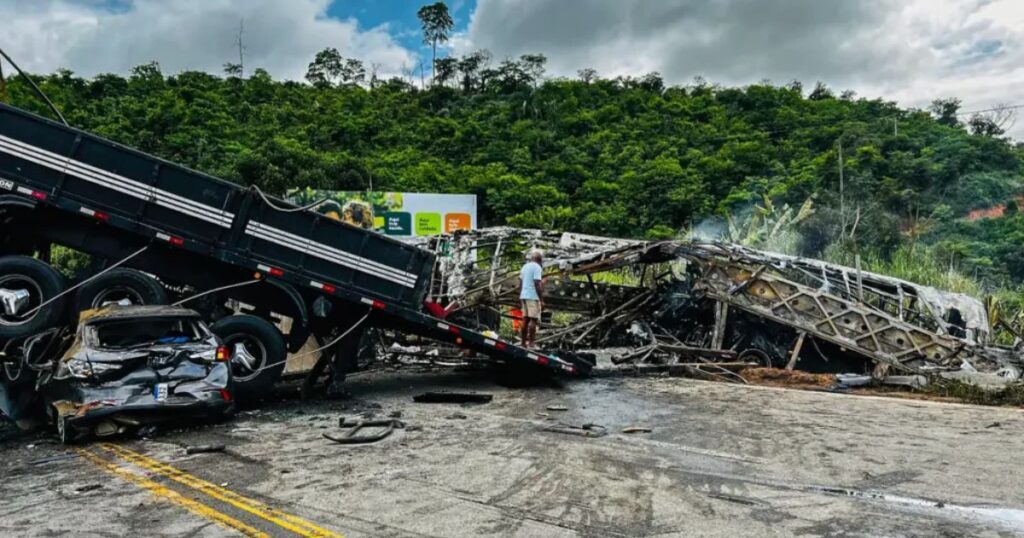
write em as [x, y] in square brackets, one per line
[99, 215]
[500, 345]
[274, 271]
[329, 288]
[225, 395]
[379, 305]
[39, 195]
[543, 361]
[177, 241]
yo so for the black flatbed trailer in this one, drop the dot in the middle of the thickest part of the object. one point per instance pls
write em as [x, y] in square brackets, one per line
[66, 186]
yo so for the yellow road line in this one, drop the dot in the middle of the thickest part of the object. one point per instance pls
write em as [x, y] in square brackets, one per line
[172, 496]
[257, 508]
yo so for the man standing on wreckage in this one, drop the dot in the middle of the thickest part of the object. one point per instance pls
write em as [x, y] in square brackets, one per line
[531, 294]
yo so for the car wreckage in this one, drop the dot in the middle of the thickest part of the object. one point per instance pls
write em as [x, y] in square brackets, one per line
[708, 304]
[122, 368]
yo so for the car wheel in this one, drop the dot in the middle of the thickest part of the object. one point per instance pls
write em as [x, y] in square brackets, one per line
[756, 356]
[25, 284]
[121, 286]
[257, 350]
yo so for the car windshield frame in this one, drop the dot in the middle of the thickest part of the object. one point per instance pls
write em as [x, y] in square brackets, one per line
[91, 336]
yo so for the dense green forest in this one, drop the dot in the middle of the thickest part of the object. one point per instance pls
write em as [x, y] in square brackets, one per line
[629, 157]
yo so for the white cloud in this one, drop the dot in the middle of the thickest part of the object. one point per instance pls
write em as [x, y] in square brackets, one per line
[910, 51]
[280, 36]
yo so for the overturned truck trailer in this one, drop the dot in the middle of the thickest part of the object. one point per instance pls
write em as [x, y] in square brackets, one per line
[671, 301]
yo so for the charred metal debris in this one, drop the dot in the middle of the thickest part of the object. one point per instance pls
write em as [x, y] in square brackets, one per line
[713, 308]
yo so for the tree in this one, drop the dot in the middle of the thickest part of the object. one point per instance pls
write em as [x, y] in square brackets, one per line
[587, 75]
[352, 72]
[437, 24]
[946, 110]
[325, 67]
[470, 65]
[532, 66]
[993, 122]
[820, 92]
[232, 69]
[446, 69]
[983, 126]
[652, 82]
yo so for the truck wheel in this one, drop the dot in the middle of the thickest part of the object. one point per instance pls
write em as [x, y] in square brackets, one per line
[26, 283]
[257, 350]
[121, 286]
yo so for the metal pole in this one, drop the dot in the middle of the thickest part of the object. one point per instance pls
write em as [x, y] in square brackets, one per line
[842, 193]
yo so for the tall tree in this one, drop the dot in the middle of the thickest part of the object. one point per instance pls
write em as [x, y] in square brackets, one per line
[470, 65]
[325, 67]
[437, 24]
[445, 69]
[352, 72]
[946, 111]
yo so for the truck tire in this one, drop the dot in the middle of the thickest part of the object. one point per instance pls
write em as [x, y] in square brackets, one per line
[258, 353]
[41, 282]
[119, 285]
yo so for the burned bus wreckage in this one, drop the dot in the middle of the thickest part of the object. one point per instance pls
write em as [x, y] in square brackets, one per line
[709, 306]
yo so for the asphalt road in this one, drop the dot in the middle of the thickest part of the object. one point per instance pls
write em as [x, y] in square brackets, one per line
[720, 460]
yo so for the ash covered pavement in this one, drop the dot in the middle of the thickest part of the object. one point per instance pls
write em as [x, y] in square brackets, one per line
[719, 460]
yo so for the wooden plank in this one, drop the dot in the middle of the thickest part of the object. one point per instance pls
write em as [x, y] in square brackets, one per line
[796, 350]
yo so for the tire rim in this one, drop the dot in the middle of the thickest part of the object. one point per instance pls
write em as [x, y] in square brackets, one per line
[21, 282]
[117, 295]
[755, 355]
[248, 356]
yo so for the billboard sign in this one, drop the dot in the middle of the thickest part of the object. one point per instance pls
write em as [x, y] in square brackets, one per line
[399, 214]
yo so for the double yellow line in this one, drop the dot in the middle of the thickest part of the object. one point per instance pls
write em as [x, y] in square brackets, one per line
[254, 507]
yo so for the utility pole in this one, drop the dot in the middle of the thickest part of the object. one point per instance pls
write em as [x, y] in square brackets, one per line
[241, 47]
[895, 128]
[842, 193]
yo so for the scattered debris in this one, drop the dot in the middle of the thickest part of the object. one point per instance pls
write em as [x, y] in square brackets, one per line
[636, 429]
[586, 430]
[51, 459]
[452, 397]
[557, 408]
[353, 426]
[88, 487]
[780, 377]
[203, 449]
[457, 416]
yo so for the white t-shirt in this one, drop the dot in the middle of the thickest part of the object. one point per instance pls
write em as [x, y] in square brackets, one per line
[530, 273]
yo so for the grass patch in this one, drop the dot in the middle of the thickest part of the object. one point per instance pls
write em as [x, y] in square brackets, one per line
[1010, 395]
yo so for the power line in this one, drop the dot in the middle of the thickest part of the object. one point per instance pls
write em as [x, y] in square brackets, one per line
[993, 109]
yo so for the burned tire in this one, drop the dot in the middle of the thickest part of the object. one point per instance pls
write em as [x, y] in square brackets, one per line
[756, 356]
[27, 283]
[120, 286]
[258, 353]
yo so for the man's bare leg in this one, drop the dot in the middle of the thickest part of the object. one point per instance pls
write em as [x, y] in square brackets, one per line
[533, 332]
[524, 330]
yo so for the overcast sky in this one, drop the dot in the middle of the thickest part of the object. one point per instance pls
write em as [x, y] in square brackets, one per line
[910, 51]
